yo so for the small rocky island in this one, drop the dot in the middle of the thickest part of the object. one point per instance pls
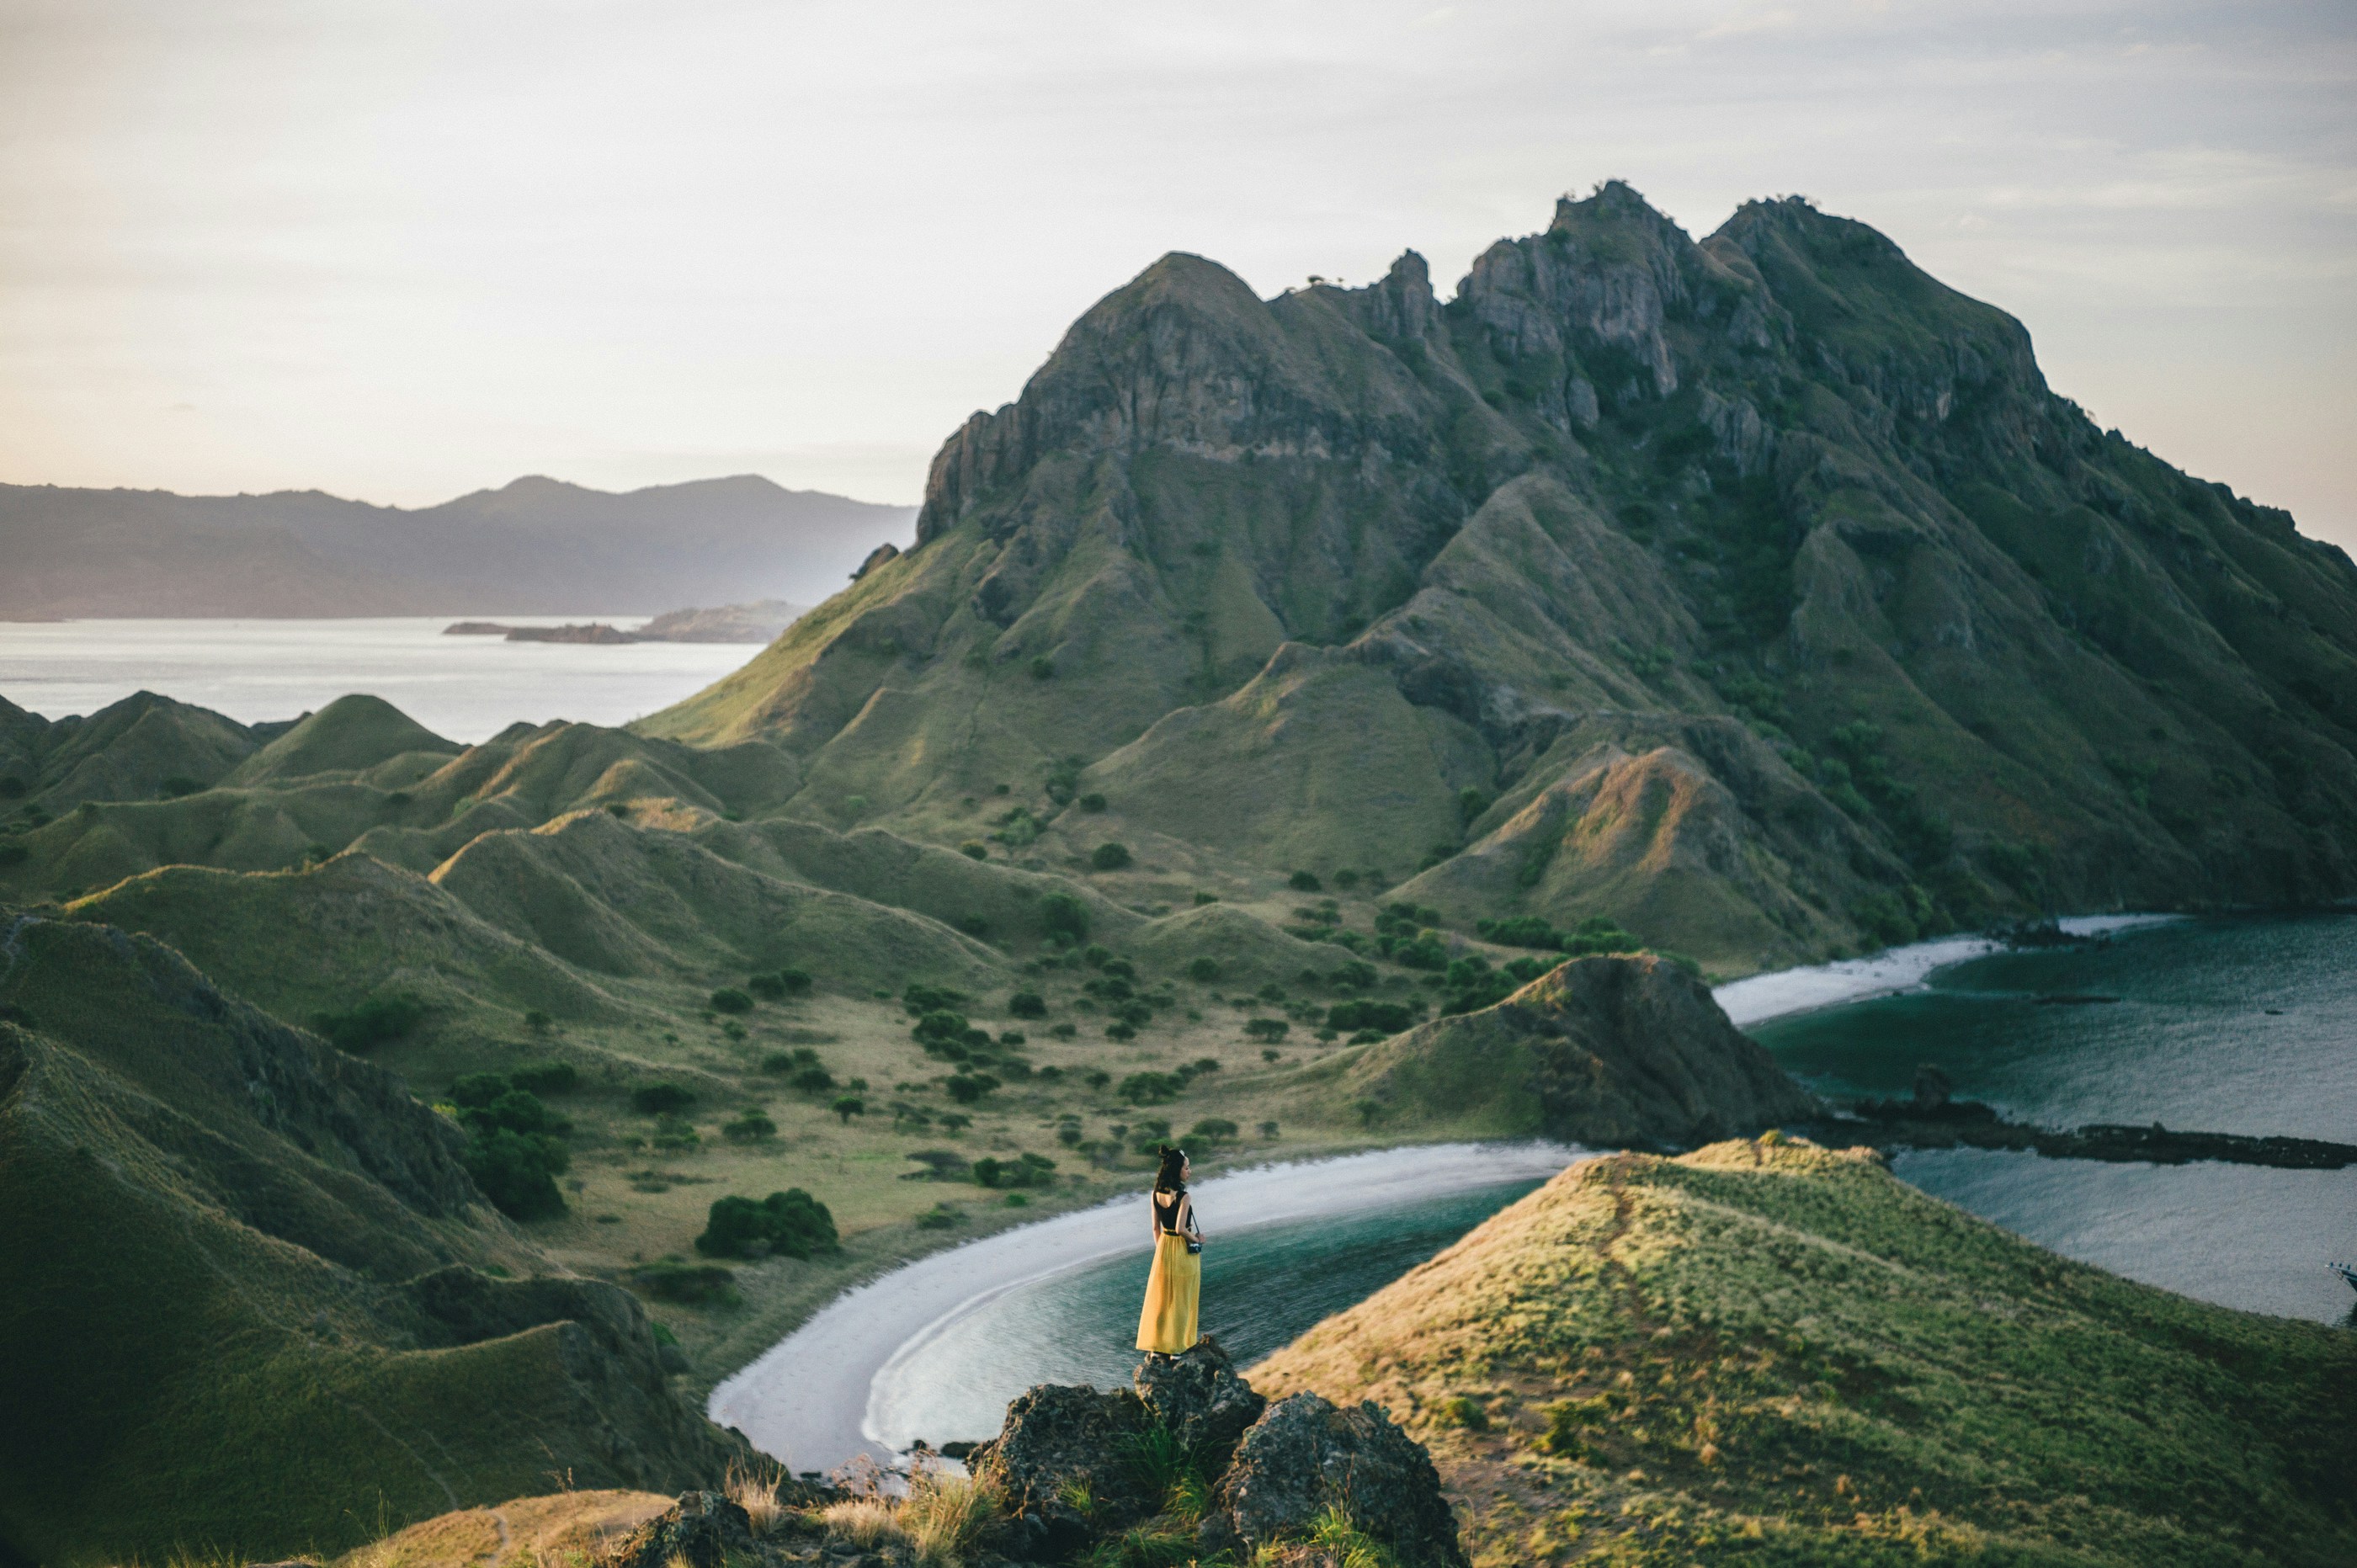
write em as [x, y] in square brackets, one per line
[1191, 1464]
[760, 621]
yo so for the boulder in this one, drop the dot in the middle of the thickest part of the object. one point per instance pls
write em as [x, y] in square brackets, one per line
[1199, 1397]
[1306, 1455]
[1062, 1465]
[702, 1528]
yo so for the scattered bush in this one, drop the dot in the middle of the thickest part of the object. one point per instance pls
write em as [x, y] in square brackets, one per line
[691, 1284]
[728, 999]
[1119, 1030]
[791, 1222]
[965, 1088]
[1109, 856]
[752, 1127]
[941, 1217]
[547, 1077]
[788, 1061]
[371, 1023]
[1096, 1077]
[1270, 1029]
[536, 1021]
[1459, 1409]
[1387, 1018]
[13, 855]
[975, 850]
[661, 1099]
[1030, 1170]
[177, 784]
[1042, 668]
[1198, 1067]
[1213, 1129]
[1027, 1004]
[516, 1167]
[778, 985]
[1150, 1088]
[1093, 801]
[1061, 914]
[1303, 882]
[1470, 803]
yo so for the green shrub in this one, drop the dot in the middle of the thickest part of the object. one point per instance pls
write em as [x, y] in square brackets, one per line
[547, 1077]
[1093, 801]
[1027, 1004]
[848, 1106]
[12, 787]
[791, 1222]
[1266, 1028]
[1030, 1170]
[536, 1021]
[813, 1079]
[1459, 1409]
[1096, 1077]
[13, 855]
[1150, 1088]
[1042, 668]
[177, 784]
[1120, 1029]
[941, 1217]
[516, 1171]
[752, 1127]
[691, 1284]
[371, 1022]
[919, 998]
[1109, 856]
[659, 1099]
[1213, 1129]
[975, 850]
[1303, 882]
[1063, 915]
[776, 984]
[728, 999]
[1386, 1018]
[965, 1088]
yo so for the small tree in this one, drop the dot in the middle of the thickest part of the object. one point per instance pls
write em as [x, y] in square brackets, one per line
[848, 1106]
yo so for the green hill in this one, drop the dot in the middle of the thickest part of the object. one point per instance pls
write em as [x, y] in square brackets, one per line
[1768, 1353]
[1756, 592]
[253, 1296]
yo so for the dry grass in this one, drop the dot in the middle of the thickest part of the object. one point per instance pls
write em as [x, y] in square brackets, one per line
[864, 1522]
[942, 1513]
[756, 1493]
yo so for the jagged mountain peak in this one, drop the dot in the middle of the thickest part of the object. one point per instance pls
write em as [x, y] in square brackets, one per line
[1622, 482]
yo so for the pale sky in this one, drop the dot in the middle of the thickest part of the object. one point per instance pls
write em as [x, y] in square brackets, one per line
[403, 250]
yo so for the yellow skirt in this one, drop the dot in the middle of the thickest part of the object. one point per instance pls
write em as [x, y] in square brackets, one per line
[1173, 1292]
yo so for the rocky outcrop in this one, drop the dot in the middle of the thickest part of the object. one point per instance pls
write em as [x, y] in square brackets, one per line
[1199, 1399]
[1615, 1051]
[1196, 1461]
[1308, 1458]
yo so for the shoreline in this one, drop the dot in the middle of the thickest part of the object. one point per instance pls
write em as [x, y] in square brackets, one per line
[1781, 993]
[806, 1400]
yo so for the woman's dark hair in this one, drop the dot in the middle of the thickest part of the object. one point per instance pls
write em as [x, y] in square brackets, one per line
[1172, 1177]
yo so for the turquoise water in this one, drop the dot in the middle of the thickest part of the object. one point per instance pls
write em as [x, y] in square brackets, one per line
[1262, 1288]
[2228, 1024]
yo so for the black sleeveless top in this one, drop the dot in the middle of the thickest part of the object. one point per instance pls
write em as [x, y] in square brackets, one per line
[1165, 1210]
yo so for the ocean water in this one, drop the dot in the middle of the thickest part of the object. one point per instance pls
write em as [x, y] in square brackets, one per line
[463, 688]
[2225, 1025]
[1262, 1289]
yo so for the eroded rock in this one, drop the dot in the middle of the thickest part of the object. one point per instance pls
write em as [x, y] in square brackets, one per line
[1306, 1455]
[1062, 1466]
[1197, 1395]
[702, 1528]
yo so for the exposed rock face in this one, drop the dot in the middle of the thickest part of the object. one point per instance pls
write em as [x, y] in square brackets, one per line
[1197, 1396]
[1761, 582]
[1274, 1474]
[1062, 1445]
[1612, 1051]
[1307, 1456]
[702, 1528]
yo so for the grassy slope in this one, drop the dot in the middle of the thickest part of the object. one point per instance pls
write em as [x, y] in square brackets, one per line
[1771, 1353]
[209, 1317]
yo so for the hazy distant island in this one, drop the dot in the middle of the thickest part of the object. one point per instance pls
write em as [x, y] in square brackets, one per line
[535, 546]
[759, 622]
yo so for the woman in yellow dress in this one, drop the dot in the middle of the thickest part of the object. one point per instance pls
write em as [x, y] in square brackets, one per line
[1174, 1290]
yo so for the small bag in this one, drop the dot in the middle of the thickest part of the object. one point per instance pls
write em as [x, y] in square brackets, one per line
[1194, 1246]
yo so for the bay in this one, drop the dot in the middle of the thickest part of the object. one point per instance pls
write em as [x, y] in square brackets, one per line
[2226, 1023]
[467, 689]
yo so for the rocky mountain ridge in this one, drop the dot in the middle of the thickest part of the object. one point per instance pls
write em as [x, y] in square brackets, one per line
[1771, 541]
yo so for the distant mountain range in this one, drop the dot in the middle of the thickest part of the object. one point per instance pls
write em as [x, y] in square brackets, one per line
[536, 546]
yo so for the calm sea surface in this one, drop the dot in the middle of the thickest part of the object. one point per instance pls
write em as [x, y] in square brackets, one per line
[465, 688]
[2243, 1025]
[1262, 1288]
